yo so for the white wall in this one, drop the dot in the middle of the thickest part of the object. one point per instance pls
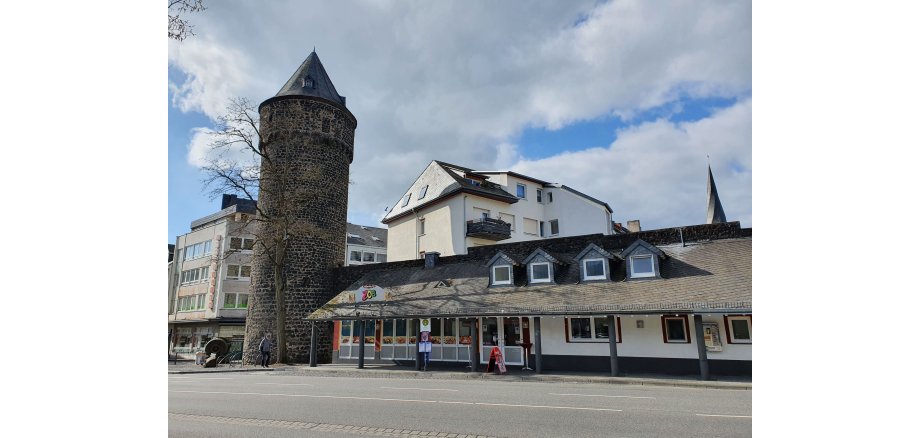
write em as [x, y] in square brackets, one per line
[644, 342]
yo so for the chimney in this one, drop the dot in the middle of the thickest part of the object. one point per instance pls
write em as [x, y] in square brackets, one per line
[633, 226]
[227, 201]
[431, 259]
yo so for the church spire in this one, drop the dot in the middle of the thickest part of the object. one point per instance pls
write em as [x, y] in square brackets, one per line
[311, 79]
[714, 213]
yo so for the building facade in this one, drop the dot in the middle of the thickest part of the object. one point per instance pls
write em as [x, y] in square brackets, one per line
[675, 301]
[450, 208]
[209, 279]
[365, 245]
[223, 243]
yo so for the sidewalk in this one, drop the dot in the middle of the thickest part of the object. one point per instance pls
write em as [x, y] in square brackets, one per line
[403, 372]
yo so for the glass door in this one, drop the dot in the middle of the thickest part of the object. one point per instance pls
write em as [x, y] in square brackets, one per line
[507, 336]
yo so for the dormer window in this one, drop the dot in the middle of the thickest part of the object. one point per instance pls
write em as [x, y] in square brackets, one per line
[501, 275]
[307, 82]
[641, 266]
[406, 199]
[541, 266]
[422, 192]
[594, 262]
[501, 269]
[644, 260]
[539, 273]
[594, 269]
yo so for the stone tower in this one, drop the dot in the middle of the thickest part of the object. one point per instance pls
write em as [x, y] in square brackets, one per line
[307, 137]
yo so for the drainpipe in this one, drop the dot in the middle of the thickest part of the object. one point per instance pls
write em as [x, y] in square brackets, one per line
[464, 225]
[416, 230]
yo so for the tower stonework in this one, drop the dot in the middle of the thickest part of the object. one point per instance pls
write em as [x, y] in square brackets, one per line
[307, 136]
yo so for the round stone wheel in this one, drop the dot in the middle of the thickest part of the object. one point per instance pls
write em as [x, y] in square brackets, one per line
[217, 345]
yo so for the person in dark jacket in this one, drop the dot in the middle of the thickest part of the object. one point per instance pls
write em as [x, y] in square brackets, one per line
[265, 347]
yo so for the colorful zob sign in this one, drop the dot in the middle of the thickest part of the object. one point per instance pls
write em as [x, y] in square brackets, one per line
[369, 293]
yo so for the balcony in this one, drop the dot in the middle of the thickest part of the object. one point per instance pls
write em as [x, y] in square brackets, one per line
[488, 228]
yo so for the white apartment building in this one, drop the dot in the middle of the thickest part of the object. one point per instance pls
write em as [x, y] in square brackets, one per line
[450, 208]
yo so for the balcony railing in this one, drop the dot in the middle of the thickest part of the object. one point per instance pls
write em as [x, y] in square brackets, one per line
[488, 228]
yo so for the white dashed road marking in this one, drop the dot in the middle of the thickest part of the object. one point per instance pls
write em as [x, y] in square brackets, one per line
[608, 396]
[420, 389]
[403, 400]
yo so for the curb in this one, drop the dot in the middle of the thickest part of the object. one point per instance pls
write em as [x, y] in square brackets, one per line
[533, 378]
[529, 378]
[241, 370]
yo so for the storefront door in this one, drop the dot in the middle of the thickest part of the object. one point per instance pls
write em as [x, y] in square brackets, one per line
[503, 332]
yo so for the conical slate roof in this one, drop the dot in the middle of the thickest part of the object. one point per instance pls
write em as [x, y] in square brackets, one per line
[311, 80]
[714, 213]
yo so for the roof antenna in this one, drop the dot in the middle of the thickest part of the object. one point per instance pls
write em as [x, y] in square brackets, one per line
[314, 51]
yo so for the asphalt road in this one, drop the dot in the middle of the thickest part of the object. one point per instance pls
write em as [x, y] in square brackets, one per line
[277, 405]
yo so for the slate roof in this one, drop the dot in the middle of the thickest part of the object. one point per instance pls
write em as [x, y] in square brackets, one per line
[714, 212]
[322, 85]
[365, 235]
[486, 188]
[704, 276]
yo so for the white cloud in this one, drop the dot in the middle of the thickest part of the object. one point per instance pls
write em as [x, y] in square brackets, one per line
[459, 81]
[656, 171]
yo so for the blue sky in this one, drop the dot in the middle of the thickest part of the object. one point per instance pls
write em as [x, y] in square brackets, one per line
[621, 100]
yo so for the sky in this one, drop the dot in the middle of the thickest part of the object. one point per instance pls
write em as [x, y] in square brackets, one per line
[621, 100]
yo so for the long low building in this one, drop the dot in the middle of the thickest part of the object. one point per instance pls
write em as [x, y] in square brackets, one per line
[674, 301]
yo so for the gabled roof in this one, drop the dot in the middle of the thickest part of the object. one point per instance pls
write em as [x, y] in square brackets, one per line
[541, 252]
[709, 274]
[593, 247]
[299, 85]
[367, 236]
[502, 256]
[641, 243]
[444, 181]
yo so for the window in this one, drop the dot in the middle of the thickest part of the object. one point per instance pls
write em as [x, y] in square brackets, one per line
[641, 266]
[236, 301]
[381, 258]
[542, 233]
[190, 303]
[530, 226]
[549, 196]
[507, 218]
[238, 271]
[481, 213]
[539, 273]
[521, 191]
[421, 226]
[594, 269]
[241, 243]
[368, 257]
[197, 250]
[194, 275]
[554, 227]
[739, 329]
[590, 329]
[676, 329]
[540, 196]
[355, 256]
[406, 199]
[501, 275]
[422, 192]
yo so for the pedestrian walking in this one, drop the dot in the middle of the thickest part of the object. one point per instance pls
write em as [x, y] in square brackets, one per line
[265, 347]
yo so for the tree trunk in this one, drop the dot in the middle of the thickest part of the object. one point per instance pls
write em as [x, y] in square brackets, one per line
[279, 302]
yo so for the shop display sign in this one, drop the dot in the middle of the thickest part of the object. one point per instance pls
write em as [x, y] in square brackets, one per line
[711, 336]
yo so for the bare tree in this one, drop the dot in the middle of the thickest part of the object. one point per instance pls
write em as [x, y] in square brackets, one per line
[239, 165]
[179, 28]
